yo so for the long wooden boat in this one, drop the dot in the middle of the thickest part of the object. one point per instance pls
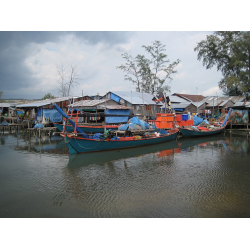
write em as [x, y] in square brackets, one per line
[80, 144]
[86, 128]
[191, 132]
[100, 157]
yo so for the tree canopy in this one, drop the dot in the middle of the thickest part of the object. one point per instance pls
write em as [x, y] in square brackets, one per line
[230, 52]
[149, 75]
[48, 96]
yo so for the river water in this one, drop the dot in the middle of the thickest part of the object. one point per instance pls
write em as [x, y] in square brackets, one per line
[187, 178]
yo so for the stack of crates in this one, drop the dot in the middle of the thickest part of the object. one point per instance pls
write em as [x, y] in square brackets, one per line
[182, 120]
[166, 121]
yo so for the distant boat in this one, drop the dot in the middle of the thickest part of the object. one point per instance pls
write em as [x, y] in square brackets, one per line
[194, 132]
[86, 128]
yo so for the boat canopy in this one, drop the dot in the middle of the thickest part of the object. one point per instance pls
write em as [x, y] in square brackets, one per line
[117, 119]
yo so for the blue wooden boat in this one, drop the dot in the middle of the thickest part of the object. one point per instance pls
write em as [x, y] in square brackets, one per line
[86, 128]
[195, 131]
[189, 132]
[80, 144]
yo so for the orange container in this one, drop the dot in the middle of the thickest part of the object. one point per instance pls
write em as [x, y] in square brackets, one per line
[164, 114]
[187, 123]
[166, 125]
[126, 138]
[157, 124]
[178, 123]
[167, 118]
[177, 150]
[159, 118]
[164, 119]
[178, 118]
[166, 152]
[190, 122]
[182, 123]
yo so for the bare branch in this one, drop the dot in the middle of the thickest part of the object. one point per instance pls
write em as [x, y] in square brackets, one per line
[68, 77]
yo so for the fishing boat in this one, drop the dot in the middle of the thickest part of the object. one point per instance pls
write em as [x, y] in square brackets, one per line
[86, 128]
[200, 131]
[194, 131]
[79, 142]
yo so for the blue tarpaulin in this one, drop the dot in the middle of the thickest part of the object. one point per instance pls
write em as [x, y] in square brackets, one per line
[18, 113]
[115, 97]
[197, 120]
[117, 119]
[50, 115]
[39, 114]
[38, 125]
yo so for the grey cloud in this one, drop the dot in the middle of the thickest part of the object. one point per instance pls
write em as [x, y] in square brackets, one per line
[108, 37]
[14, 49]
[22, 38]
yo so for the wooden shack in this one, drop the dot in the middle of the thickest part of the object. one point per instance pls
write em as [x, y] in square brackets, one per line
[43, 111]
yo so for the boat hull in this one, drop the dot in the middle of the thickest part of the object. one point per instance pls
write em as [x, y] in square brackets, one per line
[86, 129]
[83, 145]
[193, 133]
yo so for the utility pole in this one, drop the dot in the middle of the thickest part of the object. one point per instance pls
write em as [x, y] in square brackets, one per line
[197, 99]
[213, 106]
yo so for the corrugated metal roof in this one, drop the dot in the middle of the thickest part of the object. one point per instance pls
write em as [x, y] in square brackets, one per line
[198, 104]
[115, 107]
[215, 100]
[218, 103]
[100, 104]
[242, 104]
[46, 102]
[177, 99]
[135, 97]
[142, 98]
[182, 105]
[191, 98]
[7, 104]
[87, 103]
[239, 104]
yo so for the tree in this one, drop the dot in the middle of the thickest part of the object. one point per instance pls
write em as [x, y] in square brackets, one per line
[68, 78]
[48, 96]
[1, 93]
[149, 75]
[230, 51]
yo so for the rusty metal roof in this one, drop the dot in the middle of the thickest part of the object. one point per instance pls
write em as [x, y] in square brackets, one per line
[115, 107]
[101, 104]
[46, 102]
[87, 103]
[135, 98]
[191, 98]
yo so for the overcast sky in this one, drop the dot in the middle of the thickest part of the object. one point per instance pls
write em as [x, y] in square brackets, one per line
[28, 59]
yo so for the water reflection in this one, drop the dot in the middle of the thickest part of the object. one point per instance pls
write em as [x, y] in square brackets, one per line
[57, 145]
[201, 177]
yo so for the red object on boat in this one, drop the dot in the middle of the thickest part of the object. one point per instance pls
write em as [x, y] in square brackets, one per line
[126, 138]
[203, 128]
